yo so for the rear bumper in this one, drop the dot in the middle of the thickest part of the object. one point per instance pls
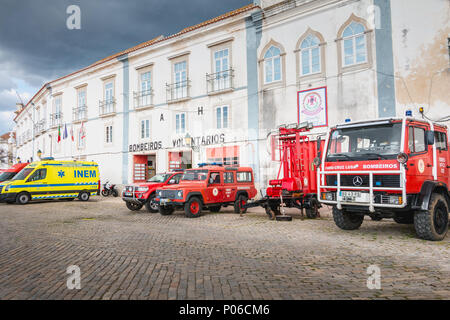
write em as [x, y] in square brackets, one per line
[7, 197]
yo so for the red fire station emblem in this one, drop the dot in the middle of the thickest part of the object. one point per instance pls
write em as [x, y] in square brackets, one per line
[312, 104]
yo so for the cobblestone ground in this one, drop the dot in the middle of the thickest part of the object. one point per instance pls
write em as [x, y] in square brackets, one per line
[129, 255]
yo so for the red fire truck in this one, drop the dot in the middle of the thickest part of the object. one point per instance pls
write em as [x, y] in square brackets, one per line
[296, 182]
[387, 168]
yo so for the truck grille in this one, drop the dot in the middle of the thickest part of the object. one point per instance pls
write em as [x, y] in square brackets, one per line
[170, 194]
[384, 181]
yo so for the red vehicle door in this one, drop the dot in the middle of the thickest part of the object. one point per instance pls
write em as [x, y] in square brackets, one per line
[229, 186]
[442, 155]
[215, 189]
[420, 161]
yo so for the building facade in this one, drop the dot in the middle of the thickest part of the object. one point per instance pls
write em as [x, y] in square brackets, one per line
[216, 91]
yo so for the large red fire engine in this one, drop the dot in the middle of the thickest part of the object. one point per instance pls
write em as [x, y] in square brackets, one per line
[387, 168]
[296, 182]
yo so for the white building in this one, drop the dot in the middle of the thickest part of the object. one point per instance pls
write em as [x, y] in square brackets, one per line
[229, 81]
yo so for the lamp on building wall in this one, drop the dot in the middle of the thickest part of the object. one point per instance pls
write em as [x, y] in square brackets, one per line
[188, 142]
[39, 153]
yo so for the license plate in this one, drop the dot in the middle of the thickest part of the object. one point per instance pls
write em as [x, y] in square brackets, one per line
[127, 194]
[354, 196]
[162, 201]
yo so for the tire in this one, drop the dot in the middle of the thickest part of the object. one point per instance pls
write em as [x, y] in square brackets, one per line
[376, 218]
[215, 208]
[133, 206]
[193, 208]
[313, 212]
[241, 199]
[433, 223]
[84, 196]
[347, 221]
[105, 193]
[151, 205]
[115, 193]
[404, 219]
[166, 211]
[23, 198]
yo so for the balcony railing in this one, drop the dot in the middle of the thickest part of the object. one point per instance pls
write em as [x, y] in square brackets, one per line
[40, 127]
[220, 81]
[28, 136]
[107, 107]
[143, 99]
[79, 114]
[178, 90]
[56, 119]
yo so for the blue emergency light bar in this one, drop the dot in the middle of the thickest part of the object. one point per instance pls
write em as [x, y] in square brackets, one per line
[210, 164]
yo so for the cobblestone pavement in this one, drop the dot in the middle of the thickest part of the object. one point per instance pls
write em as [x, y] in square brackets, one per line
[139, 255]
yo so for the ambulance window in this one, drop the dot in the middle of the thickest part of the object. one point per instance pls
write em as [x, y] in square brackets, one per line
[39, 174]
[416, 139]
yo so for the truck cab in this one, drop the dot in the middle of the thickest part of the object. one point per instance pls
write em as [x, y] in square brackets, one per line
[388, 168]
[8, 174]
[209, 186]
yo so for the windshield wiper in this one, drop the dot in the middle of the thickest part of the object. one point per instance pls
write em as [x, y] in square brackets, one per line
[339, 155]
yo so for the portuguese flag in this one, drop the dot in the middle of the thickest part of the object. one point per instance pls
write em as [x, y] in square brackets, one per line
[59, 134]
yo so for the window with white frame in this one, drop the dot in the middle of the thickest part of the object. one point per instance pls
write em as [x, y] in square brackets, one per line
[108, 104]
[146, 88]
[354, 48]
[109, 134]
[145, 129]
[81, 111]
[310, 55]
[180, 123]
[57, 111]
[180, 77]
[221, 69]
[222, 117]
[272, 65]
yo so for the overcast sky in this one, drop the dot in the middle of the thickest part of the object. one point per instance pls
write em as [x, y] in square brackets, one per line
[36, 46]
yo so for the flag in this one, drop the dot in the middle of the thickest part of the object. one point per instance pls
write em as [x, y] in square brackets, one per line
[65, 135]
[82, 132]
[71, 132]
[59, 134]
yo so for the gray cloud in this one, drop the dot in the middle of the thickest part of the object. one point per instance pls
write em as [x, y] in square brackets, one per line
[36, 46]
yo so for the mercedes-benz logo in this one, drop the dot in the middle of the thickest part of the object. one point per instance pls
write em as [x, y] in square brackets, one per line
[357, 181]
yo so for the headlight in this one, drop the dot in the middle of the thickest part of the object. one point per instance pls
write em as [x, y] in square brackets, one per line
[330, 196]
[180, 194]
[402, 157]
[142, 189]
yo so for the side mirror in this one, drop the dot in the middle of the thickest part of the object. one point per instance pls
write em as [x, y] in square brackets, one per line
[172, 181]
[429, 137]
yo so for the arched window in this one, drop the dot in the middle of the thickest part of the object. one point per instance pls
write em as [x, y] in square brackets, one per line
[355, 49]
[272, 65]
[310, 55]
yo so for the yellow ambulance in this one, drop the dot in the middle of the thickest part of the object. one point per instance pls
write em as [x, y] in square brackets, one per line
[51, 179]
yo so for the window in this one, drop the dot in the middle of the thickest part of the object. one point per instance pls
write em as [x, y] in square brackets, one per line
[214, 178]
[180, 77]
[354, 50]
[440, 140]
[222, 117]
[272, 65]
[108, 104]
[221, 70]
[145, 129]
[244, 176]
[180, 123]
[81, 98]
[416, 140]
[146, 88]
[228, 177]
[310, 55]
[39, 174]
[109, 134]
[81, 112]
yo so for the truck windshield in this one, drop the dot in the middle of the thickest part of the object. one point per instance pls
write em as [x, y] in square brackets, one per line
[195, 175]
[159, 178]
[7, 175]
[23, 174]
[365, 143]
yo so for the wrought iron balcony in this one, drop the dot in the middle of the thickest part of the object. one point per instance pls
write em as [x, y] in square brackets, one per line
[107, 107]
[40, 127]
[178, 91]
[143, 99]
[79, 114]
[220, 81]
[56, 119]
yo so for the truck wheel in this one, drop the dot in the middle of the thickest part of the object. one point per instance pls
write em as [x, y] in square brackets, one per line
[133, 206]
[23, 198]
[312, 212]
[151, 205]
[376, 218]
[433, 223]
[84, 196]
[193, 208]
[404, 219]
[240, 201]
[347, 221]
[166, 211]
[215, 208]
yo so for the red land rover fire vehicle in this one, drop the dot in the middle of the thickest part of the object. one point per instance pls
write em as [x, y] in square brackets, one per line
[8, 174]
[136, 196]
[209, 186]
[388, 168]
